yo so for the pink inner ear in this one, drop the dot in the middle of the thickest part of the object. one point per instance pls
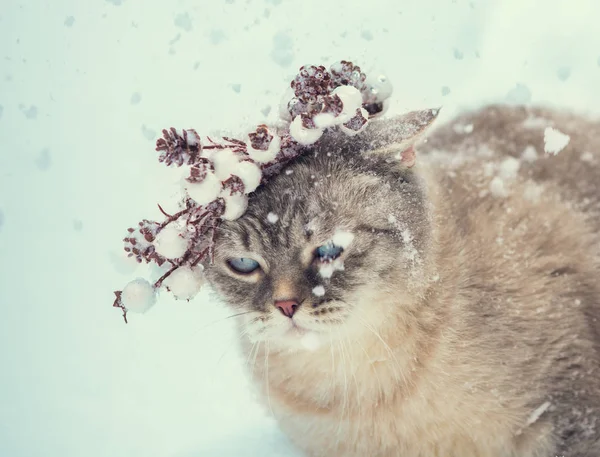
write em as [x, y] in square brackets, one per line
[408, 157]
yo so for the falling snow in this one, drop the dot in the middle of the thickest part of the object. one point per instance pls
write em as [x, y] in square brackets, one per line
[98, 102]
[149, 134]
[587, 157]
[138, 296]
[497, 187]
[183, 21]
[135, 98]
[282, 52]
[519, 94]
[529, 154]
[31, 112]
[535, 415]
[43, 161]
[318, 291]
[555, 141]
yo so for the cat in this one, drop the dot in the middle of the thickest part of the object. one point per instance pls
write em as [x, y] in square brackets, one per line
[448, 309]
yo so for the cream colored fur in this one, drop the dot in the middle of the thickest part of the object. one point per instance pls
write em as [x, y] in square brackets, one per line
[456, 366]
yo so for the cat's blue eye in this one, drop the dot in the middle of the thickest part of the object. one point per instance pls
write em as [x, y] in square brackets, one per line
[243, 265]
[328, 251]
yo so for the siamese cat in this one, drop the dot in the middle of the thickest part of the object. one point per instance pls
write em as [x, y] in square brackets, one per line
[439, 304]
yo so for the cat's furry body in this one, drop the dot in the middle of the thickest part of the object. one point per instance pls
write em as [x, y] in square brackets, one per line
[469, 325]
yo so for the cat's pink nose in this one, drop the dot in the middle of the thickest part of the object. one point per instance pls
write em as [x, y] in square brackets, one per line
[287, 307]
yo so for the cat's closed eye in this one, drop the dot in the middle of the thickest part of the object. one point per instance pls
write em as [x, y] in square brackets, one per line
[243, 265]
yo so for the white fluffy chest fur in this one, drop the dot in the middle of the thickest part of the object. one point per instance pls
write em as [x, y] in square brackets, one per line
[361, 398]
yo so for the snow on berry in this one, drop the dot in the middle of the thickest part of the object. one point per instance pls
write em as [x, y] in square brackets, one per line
[205, 191]
[263, 148]
[351, 99]
[138, 296]
[357, 123]
[225, 162]
[235, 206]
[250, 175]
[325, 120]
[171, 242]
[220, 174]
[185, 282]
[303, 135]
[555, 141]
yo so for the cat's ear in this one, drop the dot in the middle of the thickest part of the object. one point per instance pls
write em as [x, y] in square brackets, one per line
[398, 135]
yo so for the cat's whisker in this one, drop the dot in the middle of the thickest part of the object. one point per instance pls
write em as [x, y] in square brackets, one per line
[249, 356]
[231, 344]
[333, 369]
[373, 367]
[267, 377]
[344, 366]
[347, 348]
[395, 362]
[224, 319]
[253, 367]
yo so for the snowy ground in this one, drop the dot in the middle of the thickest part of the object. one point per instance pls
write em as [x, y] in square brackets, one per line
[85, 87]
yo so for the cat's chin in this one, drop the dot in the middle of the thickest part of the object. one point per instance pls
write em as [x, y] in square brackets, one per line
[297, 337]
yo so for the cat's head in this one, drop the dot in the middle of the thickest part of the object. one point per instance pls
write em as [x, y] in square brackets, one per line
[332, 245]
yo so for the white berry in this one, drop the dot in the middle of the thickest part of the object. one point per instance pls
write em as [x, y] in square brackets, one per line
[185, 282]
[138, 296]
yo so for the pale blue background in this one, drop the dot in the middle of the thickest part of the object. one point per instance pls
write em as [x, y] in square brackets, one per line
[86, 86]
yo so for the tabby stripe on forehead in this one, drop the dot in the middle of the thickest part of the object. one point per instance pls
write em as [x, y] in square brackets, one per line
[245, 238]
[286, 234]
[252, 227]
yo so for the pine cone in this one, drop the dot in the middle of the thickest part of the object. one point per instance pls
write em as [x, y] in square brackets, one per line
[179, 149]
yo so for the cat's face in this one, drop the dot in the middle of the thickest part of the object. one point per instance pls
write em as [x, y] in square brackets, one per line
[328, 247]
